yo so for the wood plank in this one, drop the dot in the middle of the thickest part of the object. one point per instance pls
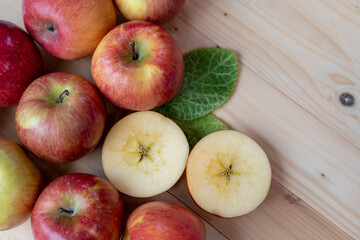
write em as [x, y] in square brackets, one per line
[296, 48]
[282, 215]
[310, 157]
[307, 157]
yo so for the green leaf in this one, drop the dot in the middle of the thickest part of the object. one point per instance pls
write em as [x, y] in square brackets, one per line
[198, 128]
[209, 80]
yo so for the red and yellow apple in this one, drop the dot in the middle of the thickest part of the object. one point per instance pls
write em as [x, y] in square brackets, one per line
[157, 11]
[138, 66]
[20, 63]
[163, 221]
[20, 184]
[78, 206]
[68, 29]
[228, 174]
[60, 117]
[144, 154]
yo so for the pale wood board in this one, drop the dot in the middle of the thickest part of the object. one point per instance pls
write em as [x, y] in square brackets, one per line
[295, 57]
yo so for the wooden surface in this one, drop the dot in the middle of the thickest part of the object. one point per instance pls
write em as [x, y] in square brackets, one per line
[296, 57]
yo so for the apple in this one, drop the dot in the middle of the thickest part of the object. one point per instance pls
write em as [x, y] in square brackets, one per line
[157, 11]
[20, 184]
[78, 206]
[228, 174]
[144, 154]
[68, 29]
[60, 117]
[162, 221]
[20, 63]
[138, 66]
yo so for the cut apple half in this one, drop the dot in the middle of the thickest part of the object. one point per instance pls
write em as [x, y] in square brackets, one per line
[144, 154]
[228, 174]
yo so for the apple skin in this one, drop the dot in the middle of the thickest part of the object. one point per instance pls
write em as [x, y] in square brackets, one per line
[163, 220]
[20, 63]
[141, 84]
[77, 26]
[157, 11]
[60, 132]
[96, 204]
[20, 184]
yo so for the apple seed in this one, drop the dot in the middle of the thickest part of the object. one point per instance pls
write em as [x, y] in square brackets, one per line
[143, 152]
[227, 173]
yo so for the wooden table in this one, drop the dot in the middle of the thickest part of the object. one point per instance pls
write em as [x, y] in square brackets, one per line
[296, 58]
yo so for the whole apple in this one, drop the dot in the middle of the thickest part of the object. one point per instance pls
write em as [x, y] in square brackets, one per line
[20, 63]
[157, 11]
[68, 29]
[20, 184]
[60, 117]
[162, 221]
[78, 206]
[138, 66]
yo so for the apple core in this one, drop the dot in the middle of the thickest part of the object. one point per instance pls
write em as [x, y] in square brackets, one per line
[227, 173]
[143, 152]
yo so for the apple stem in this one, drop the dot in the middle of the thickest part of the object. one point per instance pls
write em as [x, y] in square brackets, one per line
[133, 52]
[62, 96]
[66, 211]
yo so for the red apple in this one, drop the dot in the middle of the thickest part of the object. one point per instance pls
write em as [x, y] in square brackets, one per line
[157, 11]
[164, 221]
[68, 29]
[20, 63]
[20, 183]
[138, 66]
[60, 117]
[78, 206]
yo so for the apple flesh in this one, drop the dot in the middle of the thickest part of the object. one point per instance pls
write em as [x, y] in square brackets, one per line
[157, 11]
[162, 221]
[68, 29]
[138, 66]
[228, 174]
[20, 63]
[20, 184]
[144, 154]
[78, 206]
[60, 117]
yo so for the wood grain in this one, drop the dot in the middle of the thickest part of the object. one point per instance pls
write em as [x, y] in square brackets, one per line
[282, 215]
[296, 57]
[314, 147]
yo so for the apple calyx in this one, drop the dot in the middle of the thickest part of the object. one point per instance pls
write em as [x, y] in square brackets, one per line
[63, 95]
[68, 212]
[227, 173]
[134, 55]
[143, 152]
[51, 27]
